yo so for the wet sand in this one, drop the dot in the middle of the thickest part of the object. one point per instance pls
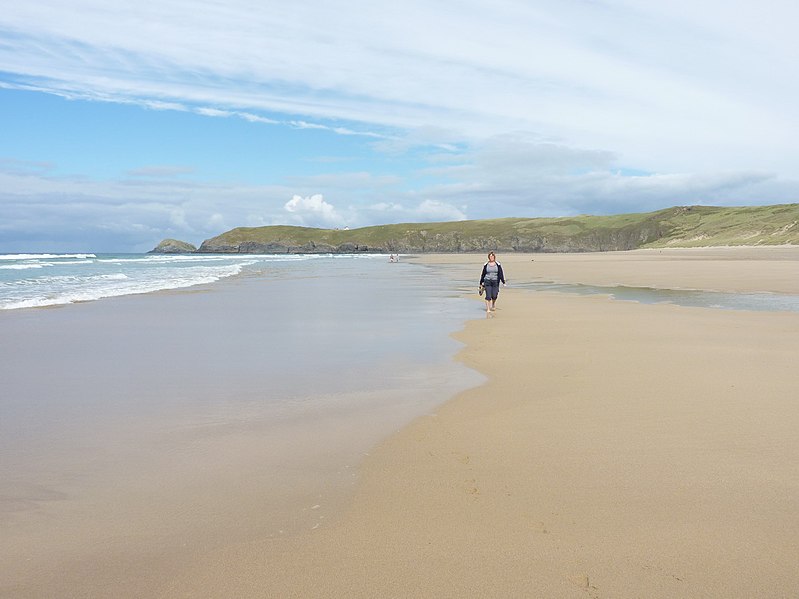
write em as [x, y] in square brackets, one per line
[139, 434]
[617, 450]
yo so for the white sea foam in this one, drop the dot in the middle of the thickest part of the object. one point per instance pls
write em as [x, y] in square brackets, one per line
[37, 264]
[33, 280]
[44, 256]
[68, 289]
[20, 266]
[167, 258]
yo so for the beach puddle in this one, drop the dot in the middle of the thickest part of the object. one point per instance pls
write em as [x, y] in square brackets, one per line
[761, 302]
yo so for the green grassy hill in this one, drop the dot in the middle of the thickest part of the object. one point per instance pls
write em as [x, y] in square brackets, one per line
[173, 246]
[684, 226]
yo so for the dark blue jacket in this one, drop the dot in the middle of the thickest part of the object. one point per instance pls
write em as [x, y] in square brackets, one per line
[499, 273]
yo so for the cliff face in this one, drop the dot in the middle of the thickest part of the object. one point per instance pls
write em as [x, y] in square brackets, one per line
[683, 226]
[219, 245]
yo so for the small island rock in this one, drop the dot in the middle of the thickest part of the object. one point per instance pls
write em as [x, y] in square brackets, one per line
[173, 246]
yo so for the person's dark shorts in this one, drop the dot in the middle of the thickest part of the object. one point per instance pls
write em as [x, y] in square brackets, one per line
[491, 289]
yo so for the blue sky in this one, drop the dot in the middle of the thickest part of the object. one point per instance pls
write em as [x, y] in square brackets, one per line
[125, 123]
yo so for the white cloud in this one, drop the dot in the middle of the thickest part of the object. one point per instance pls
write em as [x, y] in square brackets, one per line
[433, 209]
[404, 211]
[254, 118]
[313, 211]
[205, 111]
[351, 182]
[24, 167]
[520, 175]
[216, 222]
[516, 155]
[606, 192]
[177, 219]
[158, 105]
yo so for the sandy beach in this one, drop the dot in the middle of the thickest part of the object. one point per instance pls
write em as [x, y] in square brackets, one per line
[617, 450]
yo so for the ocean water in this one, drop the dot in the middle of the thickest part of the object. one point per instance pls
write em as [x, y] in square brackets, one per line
[143, 427]
[37, 280]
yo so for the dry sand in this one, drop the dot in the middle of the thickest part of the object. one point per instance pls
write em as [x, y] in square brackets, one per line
[618, 450]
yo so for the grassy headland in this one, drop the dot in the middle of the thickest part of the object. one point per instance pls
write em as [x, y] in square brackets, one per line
[682, 226]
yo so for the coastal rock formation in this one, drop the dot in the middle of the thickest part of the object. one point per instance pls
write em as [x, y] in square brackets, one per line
[173, 246]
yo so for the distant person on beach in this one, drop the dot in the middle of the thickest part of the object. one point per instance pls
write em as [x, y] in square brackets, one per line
[490, 279]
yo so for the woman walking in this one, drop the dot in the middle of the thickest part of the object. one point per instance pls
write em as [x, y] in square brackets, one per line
[490, 278]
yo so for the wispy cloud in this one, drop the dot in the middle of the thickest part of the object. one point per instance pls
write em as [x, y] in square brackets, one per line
[14, 166]
[659, 84]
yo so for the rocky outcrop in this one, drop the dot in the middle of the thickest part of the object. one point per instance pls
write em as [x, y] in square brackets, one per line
[173, 246]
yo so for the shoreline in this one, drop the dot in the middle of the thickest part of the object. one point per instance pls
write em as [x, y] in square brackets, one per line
[574, 268]
[617, 449]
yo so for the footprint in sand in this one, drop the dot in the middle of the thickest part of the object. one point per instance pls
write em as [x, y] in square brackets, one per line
[471, 487]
